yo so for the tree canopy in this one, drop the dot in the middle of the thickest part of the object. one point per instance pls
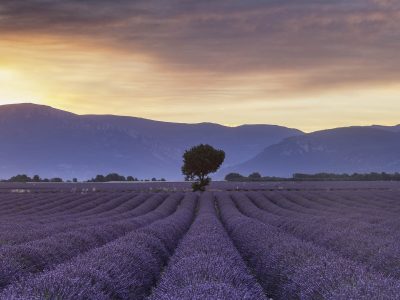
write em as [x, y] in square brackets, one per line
[198, 162]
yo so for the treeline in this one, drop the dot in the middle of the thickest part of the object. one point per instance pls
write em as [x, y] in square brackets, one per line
[252, 177]
[116, 177]
[35, 178]
[373, 176]
[99, 178]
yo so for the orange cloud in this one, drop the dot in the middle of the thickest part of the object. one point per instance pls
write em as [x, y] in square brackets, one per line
[231, 62]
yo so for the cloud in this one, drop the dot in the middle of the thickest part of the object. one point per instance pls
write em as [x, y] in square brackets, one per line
[223, 36]
[305, 45]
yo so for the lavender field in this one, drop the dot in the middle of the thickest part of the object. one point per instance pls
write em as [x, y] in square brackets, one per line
[312, 242]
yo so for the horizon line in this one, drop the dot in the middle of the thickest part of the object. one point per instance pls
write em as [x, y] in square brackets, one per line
[195, 123]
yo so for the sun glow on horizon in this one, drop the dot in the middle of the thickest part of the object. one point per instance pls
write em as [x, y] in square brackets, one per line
[293, 74]
[17, 89]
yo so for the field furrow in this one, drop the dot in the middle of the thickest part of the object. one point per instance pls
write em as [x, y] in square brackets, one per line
[290, 268]
[365, 243]
[206, 265]
[126, 268]
[304, 242]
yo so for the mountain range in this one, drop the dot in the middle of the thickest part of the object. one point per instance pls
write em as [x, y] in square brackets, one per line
[339, 150]
[37, 139]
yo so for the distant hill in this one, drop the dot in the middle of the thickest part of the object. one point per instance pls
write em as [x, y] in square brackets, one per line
[51, 142]
[351, 149]
[395, 128]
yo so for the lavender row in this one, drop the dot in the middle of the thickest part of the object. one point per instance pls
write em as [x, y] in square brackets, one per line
[206, 265]
[19, 261]
[126, 268]
[372, 214]
[289, 268]
[390, 195]
[361, 201]
[351, 240]
[349, 203]
[321, 202]
[57, 212]
[384, 199]
[314, 205]
[51, 207]
[22, 222]
[8, 200]
[381, 225]
[35, 204]
[73, 206]
[21, 234]
[68, 204]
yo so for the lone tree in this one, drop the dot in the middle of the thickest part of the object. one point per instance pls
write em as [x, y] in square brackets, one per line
[198, 162]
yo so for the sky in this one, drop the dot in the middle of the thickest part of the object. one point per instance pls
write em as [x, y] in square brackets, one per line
[308, 64]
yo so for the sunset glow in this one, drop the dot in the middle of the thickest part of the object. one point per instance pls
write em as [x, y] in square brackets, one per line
[306, 64]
